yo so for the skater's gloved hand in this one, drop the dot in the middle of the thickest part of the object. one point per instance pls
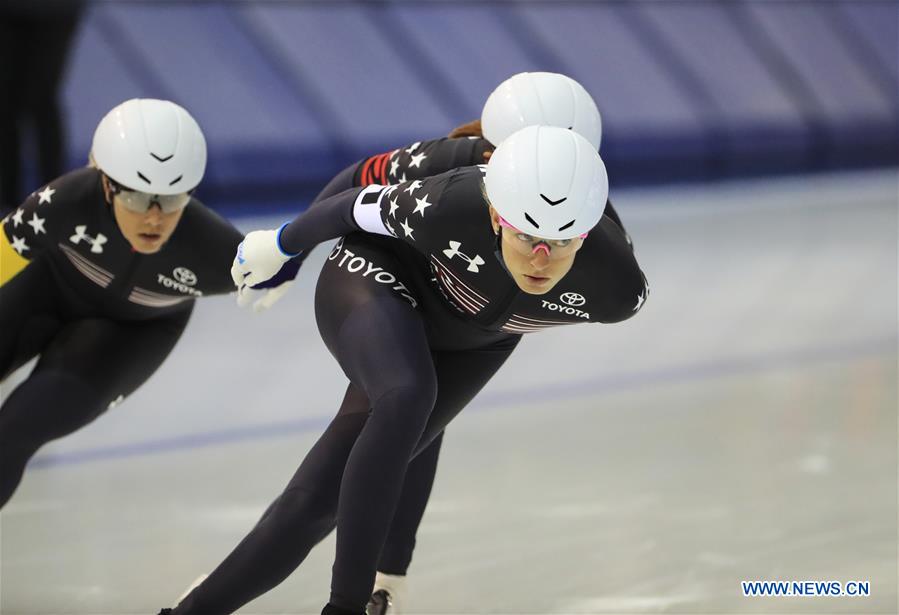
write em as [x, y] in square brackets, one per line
[259, 257]
[264, 295]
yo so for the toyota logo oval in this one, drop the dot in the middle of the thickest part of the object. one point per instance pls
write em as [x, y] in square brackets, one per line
[185, 276]
[573, 299]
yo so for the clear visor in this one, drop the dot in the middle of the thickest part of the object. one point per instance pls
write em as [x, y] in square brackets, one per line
[523, 243]
[141, 202]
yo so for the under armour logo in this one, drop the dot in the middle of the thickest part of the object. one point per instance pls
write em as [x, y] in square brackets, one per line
[96, 242]
[473, 263]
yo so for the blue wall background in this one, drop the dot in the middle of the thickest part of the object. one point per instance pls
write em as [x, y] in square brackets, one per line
[288, 93]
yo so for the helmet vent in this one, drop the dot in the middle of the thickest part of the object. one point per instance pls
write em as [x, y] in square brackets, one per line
[160, 158]
[144, 177]
[531, 220]
[552, 202]
[562, 228]
[176, 180]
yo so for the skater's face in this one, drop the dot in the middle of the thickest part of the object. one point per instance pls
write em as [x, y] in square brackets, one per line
[536, 265]
[146, 231]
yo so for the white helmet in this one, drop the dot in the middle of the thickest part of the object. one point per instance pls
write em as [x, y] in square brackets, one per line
[151, 146]
[546, 99]
[547, 181]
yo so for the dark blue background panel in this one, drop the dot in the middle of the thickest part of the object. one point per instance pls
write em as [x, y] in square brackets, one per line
[338, 55]
[843, 99]
[650, 124]
[288, 93]
[877, 25]
[258, 129]
[757, 125]
[467, 48]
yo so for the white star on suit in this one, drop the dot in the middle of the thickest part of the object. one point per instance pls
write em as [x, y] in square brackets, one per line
[416, 160]
[412, 147]
[390, 228]
[640, 299]
[422, 205]
[393, 207]
[394, 167]
[37, 224]
[403, 178]
[407, 229]
[19, 245]
[46, 195]
[413, 186]
[17, 218]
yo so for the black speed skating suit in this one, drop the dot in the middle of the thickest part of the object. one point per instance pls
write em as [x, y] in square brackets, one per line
[415, 304]
[101, 316]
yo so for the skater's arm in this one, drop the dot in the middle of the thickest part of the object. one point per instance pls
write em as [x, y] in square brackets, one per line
[415, 161]
[621, 286]
[327, 219]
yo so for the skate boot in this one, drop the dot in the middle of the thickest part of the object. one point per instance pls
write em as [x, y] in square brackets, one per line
[388, 595]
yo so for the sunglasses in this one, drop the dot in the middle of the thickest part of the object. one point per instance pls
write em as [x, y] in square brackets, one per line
[141, 202]
[524, 243]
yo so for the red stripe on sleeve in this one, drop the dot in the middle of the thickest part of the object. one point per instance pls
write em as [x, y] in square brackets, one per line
[375, 169]
[366, 167]
[384, 168]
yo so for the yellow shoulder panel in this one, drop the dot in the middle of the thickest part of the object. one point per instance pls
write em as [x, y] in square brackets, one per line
[11, 262]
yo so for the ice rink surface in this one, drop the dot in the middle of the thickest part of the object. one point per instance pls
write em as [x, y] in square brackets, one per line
[742, 427]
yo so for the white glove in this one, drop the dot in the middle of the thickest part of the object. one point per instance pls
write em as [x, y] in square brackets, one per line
[261, 298]
[259, 257]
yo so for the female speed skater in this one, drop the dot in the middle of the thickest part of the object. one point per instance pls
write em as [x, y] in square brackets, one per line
[99, 271]
[525, 99]
[423, 298]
